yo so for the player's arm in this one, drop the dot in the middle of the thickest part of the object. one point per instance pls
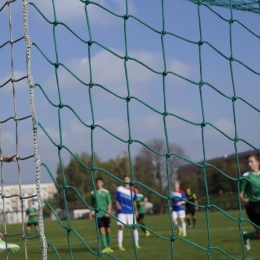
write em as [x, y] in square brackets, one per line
[9, 158]
[109, 206]
[243, 199]
[135, 207]
[118, 206]
[92, 205]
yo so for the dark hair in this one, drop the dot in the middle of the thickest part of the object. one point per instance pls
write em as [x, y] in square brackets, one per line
[254, 156]
[99, 179]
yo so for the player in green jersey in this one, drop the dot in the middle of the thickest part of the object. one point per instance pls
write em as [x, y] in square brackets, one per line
[32, 214]
[140, 202]
[250, 194]
[4, 246]
[102, 200]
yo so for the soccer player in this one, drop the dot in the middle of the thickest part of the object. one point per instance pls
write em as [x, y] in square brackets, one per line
[103, 200]
[178, 210]
[250, 195]
[124, 211]
[190, 208]
[32, 214]
[10, 248]
[140, 202]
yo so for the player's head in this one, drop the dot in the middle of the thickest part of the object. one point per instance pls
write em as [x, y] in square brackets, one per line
[188, 191]
[99, 183]
[30, 202]
[127, 179]
[1, 235]
[176, 185]
[253, 162]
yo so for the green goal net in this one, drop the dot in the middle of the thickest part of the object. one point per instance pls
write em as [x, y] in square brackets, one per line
[107, 76]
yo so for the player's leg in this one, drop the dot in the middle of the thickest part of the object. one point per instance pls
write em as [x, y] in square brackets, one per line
[36, 225]
[129, 219]
[188, 217]
[181, 215]
[193, 213]
[122, 218]
[175, 221]
[108, 231]
[28, 229]
[102, 233]
[140, 220]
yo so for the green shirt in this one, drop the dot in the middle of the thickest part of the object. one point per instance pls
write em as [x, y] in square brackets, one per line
[140, 208]
[32, 219]
[251, 192]
[103, 199]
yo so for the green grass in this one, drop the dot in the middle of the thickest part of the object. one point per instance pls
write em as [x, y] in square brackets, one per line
[224, 234]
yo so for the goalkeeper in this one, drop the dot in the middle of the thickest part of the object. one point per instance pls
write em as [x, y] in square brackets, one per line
[250, 194]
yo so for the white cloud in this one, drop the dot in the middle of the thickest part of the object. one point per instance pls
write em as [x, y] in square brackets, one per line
[225, 126]
[74, 11]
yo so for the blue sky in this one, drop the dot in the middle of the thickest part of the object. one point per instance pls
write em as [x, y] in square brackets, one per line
[183, 99]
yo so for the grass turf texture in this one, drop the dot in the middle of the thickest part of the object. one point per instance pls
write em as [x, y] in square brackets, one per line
[224, 234]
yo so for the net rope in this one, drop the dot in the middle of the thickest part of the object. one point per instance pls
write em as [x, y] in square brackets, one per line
[90, 42]
[13, 80]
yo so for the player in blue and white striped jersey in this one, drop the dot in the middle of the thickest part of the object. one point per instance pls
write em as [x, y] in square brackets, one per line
[125, 206]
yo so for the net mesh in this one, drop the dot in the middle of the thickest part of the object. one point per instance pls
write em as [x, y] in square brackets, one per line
[93, 126]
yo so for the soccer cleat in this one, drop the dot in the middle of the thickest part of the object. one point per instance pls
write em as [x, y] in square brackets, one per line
[189, 226]
[180, 232]
[121, 248]
[147, 233]
[106, 250]
[111, 250]
[11, 248]
[246, 242]
[184, 235]
[138, 247]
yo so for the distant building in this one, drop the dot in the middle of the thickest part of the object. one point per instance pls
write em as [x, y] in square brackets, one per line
[14, 203]
[191, 169]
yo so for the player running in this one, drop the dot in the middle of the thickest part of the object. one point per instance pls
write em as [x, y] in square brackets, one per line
[124, 211]
[190, 208]
[103, 201]
[178, 210]
[140, 202]
[250, 194]
[32, 214]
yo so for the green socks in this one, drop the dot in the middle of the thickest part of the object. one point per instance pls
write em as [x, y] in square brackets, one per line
[104, 240]
[27, 233]
[108, 240]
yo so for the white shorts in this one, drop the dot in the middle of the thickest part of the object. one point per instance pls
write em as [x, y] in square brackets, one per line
[125, 219]
[178, 214]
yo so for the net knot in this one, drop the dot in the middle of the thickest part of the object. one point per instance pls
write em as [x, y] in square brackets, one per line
[126, 17]
[61, 105]
[92, 126]
[231, 58]
[134, 226]
[240, 179]
[68, 230]
[172, 238]
[209, 248]
[126, 58]
[91, 85]
[128, 99]
[131, 183]
[32, 86]
[87, 2]
[203, 124]
[208, 206]
[235, 139]
[234, 99]
[57, 65]
[97, 210]
[163, 32]
[240, 220]
[130, 141]
[55, 23]
[93, 169]
[65, 187]
[200, 43]
[90, 43]
[231, 21]
[59, 147]
[166, 113]
[168, 155]
[165, 73]
[201, 83]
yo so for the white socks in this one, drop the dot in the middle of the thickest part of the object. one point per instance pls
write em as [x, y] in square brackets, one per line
[136, 235]
[120, 237]
[184, 228]
[177, 225]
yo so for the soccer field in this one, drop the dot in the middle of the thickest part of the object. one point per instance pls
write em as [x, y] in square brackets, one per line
[224, 234]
